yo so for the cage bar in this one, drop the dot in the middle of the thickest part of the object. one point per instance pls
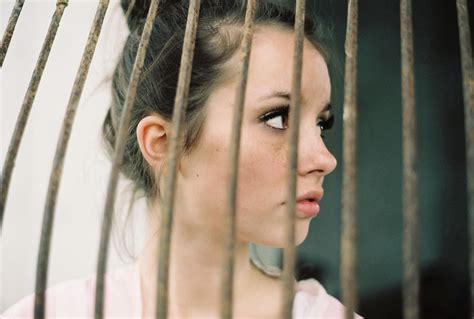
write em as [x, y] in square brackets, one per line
[167, 205]
[468, 90]
[131, 5]
[411, 286]
[118, 156]
[229, 251]
[410, 196]
[348, 264]
[28, 100]
[7, 36]
[288, 284]
[48, 217]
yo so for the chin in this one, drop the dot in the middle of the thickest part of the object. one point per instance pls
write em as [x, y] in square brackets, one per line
[300, 238]
[275, 235]
[301, 233]
[299, 241]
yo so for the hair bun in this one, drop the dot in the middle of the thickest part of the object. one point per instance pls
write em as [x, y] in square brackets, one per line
[139, 11]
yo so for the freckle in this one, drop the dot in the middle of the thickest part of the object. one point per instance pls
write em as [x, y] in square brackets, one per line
[197, 175]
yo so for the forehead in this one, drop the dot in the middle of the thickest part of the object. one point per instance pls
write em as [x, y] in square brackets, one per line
[271, 66]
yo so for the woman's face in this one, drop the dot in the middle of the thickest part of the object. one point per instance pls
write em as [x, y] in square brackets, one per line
[203, 176]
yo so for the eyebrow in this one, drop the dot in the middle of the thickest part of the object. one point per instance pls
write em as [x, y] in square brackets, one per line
[287, 95]
[280, 94]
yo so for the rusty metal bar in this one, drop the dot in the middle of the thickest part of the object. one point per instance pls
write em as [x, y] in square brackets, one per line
[288, 284]
[179, 110]
[468, 89]
[349, 179]
[48, 218]
[129, 9]
[118, 157]
[7, 36]
[27, 104]
[410, 201]
[229, 251]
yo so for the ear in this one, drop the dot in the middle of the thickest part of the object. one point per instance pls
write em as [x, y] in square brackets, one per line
[152, 136]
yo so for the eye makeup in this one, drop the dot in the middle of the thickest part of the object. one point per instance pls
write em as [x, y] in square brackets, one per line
[279, 111]
[325, 123]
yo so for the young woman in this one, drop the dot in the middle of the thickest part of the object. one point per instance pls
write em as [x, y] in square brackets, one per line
[203, 171]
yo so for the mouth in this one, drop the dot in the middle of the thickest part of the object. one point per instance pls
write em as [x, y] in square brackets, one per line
[307, 208]
[308, 204]
[314, 195]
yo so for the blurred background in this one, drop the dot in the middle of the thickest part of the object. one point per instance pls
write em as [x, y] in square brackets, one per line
[441, 163]
[443, 222]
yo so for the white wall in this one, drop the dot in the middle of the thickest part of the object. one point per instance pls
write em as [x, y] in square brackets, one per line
[83, 186]
[84, 182]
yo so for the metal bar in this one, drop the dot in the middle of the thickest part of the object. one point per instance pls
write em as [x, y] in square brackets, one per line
[27, 105]
[48, 218]
[468, 88]
[349, 179]
[129, 9]
[229, 251]
[118, 157]
[288, 283]
[410, 202]
[7, 36]
[167, 205]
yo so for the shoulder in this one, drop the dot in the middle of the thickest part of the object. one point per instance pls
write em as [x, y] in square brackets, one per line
[312, 300]
[69, 296]
[75, 298]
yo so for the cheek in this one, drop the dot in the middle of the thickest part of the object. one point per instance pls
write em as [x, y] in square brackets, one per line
[202, 185]
[204, 182]
[261, 173]
[261, 185]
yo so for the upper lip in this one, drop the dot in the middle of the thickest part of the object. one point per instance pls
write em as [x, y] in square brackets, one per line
[315, 195]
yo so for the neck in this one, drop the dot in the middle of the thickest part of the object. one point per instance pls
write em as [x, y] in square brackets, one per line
[195, 271]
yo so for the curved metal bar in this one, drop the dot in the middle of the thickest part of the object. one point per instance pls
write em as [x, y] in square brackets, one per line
[48, 218]
[118, 157]
[129, 9]
[288, 284]
[229, 251]
[7, 36]
[167, 205]
[468, 88]
[410, 201]
[28, 100]
[348, 264]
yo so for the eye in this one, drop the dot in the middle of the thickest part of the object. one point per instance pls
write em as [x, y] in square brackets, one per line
[276, 118]
[326, 124]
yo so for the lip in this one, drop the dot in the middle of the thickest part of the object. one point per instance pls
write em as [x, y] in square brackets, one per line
[307, 209]
[315, 195]
[308, 204]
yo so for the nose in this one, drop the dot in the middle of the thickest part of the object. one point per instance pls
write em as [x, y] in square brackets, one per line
[313, 155]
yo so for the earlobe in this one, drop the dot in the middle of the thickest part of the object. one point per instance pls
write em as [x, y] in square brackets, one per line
[152, 135]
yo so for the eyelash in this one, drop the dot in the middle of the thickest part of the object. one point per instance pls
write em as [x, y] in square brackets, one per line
[326, 124]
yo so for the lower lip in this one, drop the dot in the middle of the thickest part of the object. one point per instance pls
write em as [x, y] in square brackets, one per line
[307, 208]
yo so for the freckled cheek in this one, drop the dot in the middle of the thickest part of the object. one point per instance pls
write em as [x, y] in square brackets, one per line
[261, 181]
[260, 196]
[202, 185]
[214, 166]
